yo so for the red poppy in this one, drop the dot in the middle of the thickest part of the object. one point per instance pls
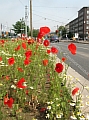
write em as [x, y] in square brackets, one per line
[11, 61]
[74, 91]
[27, 61]
[26, 92]
[20, 69]
[45, 62]
[37, 45]
[46, 43]
[20, 83]
[72, 48]
[56, 31]
[24, 45]
[23, 38]
[7, 77]
[18, 48]
[28, 53]
[44, 30]
[48, 51]
[54, 50]
[8, 102]
[39, 37]
[0, 58]
[43, 109]
[59, 67]
[30, 41]
[69, 101]
[2, 41]
[6, 99]
[63, 59]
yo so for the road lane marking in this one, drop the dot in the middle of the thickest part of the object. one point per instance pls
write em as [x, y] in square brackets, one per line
[83, 54]
[76, 45]
[83, 48]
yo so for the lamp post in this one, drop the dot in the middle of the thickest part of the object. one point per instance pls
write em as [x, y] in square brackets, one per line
[31, 18]
[22, 23]
[26, 16]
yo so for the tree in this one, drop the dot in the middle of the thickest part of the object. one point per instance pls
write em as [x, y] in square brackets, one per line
[19, 27]
[62, 31]
[70, 35]
[35, 32]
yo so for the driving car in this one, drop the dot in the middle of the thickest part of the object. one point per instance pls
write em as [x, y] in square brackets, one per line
[54, 38]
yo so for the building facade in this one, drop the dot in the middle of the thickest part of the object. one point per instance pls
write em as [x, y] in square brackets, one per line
[80, 25]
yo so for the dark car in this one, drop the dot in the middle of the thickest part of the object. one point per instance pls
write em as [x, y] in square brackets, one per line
[54, 38]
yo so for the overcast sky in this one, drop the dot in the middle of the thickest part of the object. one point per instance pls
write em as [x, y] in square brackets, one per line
[44, 12]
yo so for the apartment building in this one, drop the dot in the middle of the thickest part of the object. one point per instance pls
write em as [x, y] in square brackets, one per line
[80, 25]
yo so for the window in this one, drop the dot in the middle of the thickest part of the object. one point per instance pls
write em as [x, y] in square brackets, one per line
[87, 21]
[80, 28]
[87, 11]
[87, 27]
[81, 23]
[80, 18]
[86, 32]
[81, 13]
[87, 16]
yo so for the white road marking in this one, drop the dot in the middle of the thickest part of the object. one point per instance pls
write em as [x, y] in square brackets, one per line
[83, 54]
[78, 47]
[83, 48]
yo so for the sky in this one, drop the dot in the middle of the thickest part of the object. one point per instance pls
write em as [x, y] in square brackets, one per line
[51, 13]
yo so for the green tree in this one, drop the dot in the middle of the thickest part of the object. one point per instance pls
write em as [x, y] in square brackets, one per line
[35, 32]
[19, 27]
[70, 35]
[62, 31]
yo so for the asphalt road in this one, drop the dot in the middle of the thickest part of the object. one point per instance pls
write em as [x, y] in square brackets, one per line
[80, 61]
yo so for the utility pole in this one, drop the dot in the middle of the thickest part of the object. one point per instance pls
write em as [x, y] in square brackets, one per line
[26, 17]
[31, 18]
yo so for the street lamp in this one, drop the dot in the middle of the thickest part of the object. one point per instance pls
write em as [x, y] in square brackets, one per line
[22, 29]
[31, 18]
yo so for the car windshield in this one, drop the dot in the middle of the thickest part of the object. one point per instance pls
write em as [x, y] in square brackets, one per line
[54, 36]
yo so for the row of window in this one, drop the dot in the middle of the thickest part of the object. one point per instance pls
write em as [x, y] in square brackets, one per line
[80, 13]
[81, 18]
[81, 23]
[80, 28]
[81, 32]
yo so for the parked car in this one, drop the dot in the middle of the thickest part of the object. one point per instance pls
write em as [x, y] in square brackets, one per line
[54, 38]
